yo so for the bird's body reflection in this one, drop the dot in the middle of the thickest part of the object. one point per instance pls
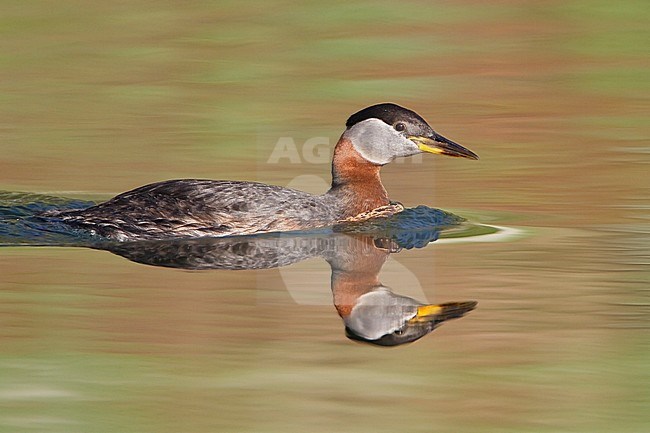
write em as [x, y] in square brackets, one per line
[371, 312]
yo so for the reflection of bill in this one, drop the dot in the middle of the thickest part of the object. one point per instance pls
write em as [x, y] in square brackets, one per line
[370, 310]
[372, 313]
[383, 318]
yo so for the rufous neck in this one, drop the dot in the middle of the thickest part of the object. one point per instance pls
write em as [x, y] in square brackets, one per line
[356, 180]
[355, 271]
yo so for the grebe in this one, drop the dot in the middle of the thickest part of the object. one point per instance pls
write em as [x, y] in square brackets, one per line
[373, 137]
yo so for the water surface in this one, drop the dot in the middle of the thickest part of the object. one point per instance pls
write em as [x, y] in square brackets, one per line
[98, 99]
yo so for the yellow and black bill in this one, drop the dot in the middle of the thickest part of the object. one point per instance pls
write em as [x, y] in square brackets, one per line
[440, 145]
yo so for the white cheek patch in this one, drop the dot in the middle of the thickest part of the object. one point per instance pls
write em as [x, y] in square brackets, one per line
[378, 142]
[380, 312]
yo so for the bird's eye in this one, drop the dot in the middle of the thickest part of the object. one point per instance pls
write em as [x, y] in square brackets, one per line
[399, 332]
[399, 126]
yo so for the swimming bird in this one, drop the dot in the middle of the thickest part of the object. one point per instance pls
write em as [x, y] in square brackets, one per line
[373, 137]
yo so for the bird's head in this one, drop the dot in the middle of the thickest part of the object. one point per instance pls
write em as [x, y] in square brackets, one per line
[383, 132]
